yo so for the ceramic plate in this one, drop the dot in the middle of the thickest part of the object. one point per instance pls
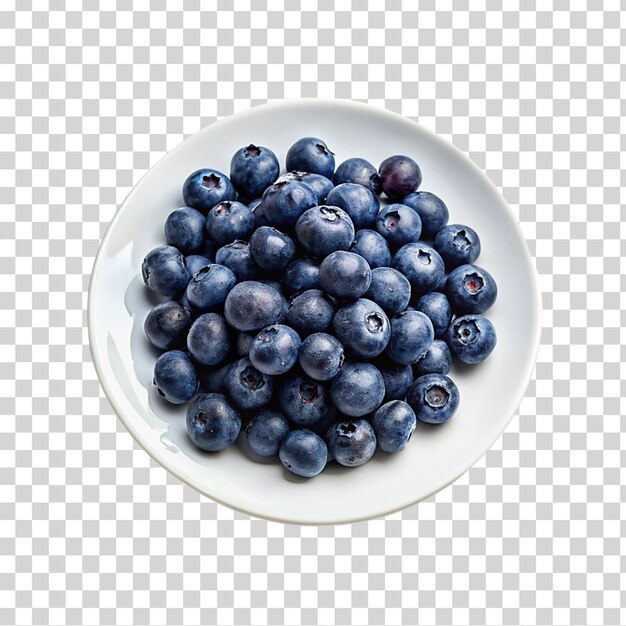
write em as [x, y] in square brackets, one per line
[436, 455]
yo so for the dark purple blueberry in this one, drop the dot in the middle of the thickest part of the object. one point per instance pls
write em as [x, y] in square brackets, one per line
[400, 176]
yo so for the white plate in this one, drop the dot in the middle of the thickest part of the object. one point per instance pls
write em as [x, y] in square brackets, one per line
[436, 456]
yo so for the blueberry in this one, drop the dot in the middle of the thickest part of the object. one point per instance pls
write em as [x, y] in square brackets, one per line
[213, 423]
[358, 389]
[310, 312]
[457, 245]
[397, 378]
[303, 400]
[208, 288]
[324, 229]
[399, 225]
[471, 289]
[471, 338]
[357, 201]
[321, 356]
[436, 306]
[345, 275]
[205, 188]
[208, 341]
[184, 229]
[373, 247]
[195, 262]
[399, 176]
[394, 423]
[164, 271]
[351, 442]
[437, 360]
[301, 275]
[320, 185]
[252, 306]
[266, 431]
[389, 289]
[271, 249]
[411, 336]
[166, 326]
[358, 171]
[228, 221]
[434, 398]
[431, 209]
[421, 264]
[303, 453]
[253, 169]
[237, 257]
[363, 328]
[248, 387]
[175, 376]
[310, 154]
[243, 343]
[284, 202]
[275, 349]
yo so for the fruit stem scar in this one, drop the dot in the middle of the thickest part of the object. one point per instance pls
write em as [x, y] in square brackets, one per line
[461, 240]
[212, 181]
[252, 150]
[437, 396]
[473, 283]
[252, 378]
[308, 392]
[392, 219]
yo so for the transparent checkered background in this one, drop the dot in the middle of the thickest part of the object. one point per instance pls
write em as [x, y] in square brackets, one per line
[91, 530]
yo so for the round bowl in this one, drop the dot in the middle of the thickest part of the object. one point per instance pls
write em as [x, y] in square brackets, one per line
[436, 455]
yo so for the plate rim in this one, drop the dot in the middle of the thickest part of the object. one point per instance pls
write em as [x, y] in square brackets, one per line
[183, 476]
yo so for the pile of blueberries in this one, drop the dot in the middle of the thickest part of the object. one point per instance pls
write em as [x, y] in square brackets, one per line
[297, 305]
